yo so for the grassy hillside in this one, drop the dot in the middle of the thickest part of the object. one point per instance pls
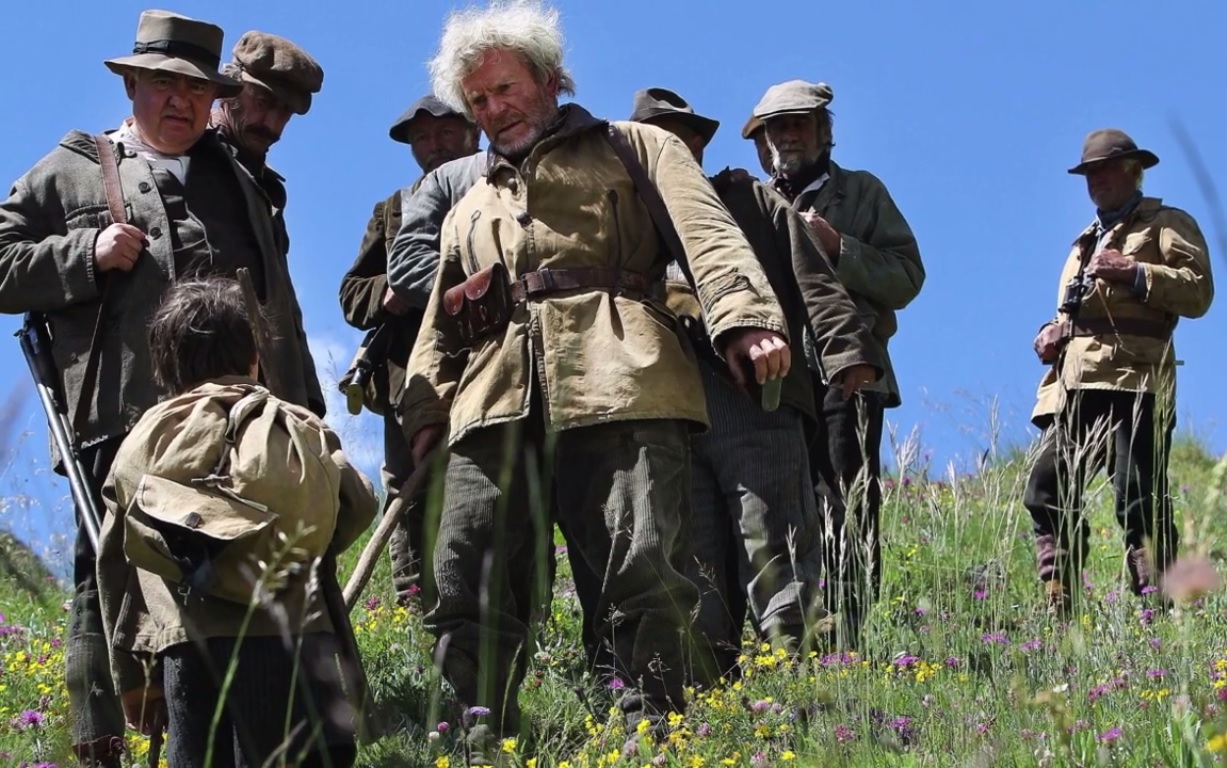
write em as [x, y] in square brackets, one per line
[962, 666]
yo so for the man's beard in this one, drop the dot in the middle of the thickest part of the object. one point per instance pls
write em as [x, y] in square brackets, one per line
[540, 119]
[792, 164]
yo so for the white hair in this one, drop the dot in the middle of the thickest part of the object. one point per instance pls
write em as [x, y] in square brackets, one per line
[527, 28]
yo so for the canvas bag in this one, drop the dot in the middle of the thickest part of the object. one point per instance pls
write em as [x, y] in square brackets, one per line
[210, 535]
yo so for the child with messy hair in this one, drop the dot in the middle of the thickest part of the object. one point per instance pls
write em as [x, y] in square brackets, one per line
[220, 506]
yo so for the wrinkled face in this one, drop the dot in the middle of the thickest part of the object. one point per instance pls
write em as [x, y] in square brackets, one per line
[1111, 183]
[764, 151]
[255, 119]
[436, 140]
[512, 108]
[693, 141]
[795, 142]
[171, 111]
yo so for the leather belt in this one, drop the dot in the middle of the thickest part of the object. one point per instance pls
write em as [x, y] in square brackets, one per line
[543, 282]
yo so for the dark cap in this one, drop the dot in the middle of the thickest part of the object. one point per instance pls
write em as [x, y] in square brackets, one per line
[168, 42]
[1110, 144]
[655, 103]
[428, 105]
[794, 97]
[279, 65]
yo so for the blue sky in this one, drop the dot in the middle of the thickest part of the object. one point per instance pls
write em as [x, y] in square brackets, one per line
[970, 113]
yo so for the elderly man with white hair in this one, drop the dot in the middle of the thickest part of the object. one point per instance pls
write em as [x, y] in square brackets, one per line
[568, 386]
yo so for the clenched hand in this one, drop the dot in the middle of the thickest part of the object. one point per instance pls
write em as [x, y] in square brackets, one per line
[1048, 343]
[766, 351]
[1113, 266]
[118, 247]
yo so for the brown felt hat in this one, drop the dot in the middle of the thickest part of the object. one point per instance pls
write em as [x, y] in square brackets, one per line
[793, 97]
[654, 103]
[279, 65]
[169, 42]
[1111, 144]
[429, 105]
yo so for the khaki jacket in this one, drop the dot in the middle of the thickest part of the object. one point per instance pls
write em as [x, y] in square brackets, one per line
[48, 227]
[181, 439]
[597, 357]
[1175, 260]
[878, 261]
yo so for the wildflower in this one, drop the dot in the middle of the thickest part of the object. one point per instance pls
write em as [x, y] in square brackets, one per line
[952, 662]
[990, 638]
[1218, 743]
[844, 734]
[760, 706]
[372, 602]
[509, 746]
[1156, 643]
[703, 731]
[1110, 735]
[1032, 645]
[787, 755]
[1190, 578]
[28, 720]
[443, 762]
[1155, 673]
[443, 727]
[616, 684]
[477, 711]
[432, 736]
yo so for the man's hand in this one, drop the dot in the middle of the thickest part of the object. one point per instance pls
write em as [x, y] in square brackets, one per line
[1109, 264]
[856, 377]
[393, 303]
[144, 708]
[1048, 343]
[741, 175]
[767, 351]
[118, 247]
[423, 441]
[828, 238]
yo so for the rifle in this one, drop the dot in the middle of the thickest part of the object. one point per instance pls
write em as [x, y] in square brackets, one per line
[371, 354]
[36, 346]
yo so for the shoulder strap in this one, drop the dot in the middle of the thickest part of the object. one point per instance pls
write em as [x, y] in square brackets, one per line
[651, 198]
[115, 204]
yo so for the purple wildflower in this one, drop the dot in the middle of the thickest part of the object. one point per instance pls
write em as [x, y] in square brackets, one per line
[616, 684]
[1110, 735]
[844, 734]
[373, 602]
[990, 638]
[1156, 673]
[477, 711]
[443, 727]
[29, 720]
[1032, 645]
[703, 730]
[760, 706]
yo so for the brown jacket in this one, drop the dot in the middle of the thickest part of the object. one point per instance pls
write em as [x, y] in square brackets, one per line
[878, 260]
[48, 226]
[181, 439]
[597, 356]
[1175, 260]
[804, 281]
[362, 292]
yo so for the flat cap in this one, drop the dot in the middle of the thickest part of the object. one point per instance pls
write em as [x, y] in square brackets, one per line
[427, 104]
[280, 66]
[794, 97]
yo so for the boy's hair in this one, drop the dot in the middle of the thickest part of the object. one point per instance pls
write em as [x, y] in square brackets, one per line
[201, 331]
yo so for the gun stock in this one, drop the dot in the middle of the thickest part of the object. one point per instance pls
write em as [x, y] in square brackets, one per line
[36, 346]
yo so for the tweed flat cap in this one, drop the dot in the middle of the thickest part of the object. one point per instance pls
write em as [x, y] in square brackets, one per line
[794, 97]
[280, 66]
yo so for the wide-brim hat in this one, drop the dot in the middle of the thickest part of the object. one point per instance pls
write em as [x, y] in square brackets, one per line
[426, 105]
[1111, 144]
[793, 97]
[169, 42]
[655, 103]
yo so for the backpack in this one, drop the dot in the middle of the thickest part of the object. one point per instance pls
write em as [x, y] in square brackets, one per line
[266, 511]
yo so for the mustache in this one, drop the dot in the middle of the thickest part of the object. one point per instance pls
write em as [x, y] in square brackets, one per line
[261, 132]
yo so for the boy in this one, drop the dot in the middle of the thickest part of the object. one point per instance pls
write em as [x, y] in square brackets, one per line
[219, 505]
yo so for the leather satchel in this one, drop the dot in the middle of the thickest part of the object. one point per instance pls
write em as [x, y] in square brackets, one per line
[482, 304]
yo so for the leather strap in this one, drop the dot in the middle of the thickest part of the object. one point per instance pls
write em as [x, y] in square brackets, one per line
[1125, 326]
[546, 281]
[115, 205]
[651, 198]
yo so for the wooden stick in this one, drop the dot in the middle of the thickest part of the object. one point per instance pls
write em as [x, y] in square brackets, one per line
[260, 331]
[383, 532]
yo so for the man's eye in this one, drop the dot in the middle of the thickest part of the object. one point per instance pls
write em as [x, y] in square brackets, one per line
[199, 88]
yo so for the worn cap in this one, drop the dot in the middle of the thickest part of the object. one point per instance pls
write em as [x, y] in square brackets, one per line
[752, 126]
[429, 105]
[794, 97]
[1109, 144]
[168, 42]
[654, 103]
[280, 66]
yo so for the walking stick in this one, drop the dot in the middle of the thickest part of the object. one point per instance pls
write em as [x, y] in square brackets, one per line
[383, 532]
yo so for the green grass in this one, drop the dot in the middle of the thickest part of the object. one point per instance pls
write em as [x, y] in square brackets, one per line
[953, 673]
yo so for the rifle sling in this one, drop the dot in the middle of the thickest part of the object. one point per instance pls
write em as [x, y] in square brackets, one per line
[115, 205]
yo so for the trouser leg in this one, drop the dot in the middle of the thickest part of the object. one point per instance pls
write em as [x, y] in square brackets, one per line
[624, 494]
[97, 720]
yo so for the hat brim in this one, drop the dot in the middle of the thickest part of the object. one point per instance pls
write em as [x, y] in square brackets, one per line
[765, 116]
[705, 127]
[297, 100]
[1148, 159]
[400, 129]
[157, 62]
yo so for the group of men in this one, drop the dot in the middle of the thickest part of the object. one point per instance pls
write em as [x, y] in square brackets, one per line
[687, 374]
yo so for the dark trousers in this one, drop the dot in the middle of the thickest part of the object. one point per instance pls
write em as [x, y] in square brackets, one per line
[97, 720]
[620, 492]
[406, 547]
[1101, 428]
[283, 706]
[755, 533]
[846, 461]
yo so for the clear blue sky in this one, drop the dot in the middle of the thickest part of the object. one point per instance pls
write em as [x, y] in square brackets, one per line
[970, 113]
